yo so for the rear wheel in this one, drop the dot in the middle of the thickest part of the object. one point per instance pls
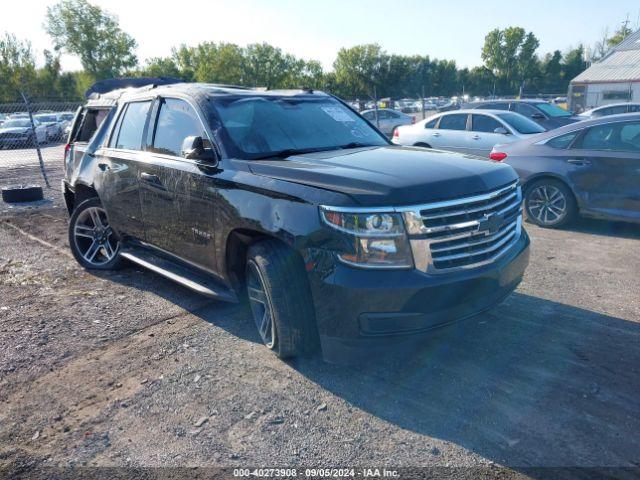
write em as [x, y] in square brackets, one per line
[549, 203]
[280, 299]
[93, 242]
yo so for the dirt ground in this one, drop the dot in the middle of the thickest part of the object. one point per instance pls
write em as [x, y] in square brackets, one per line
[126, 369]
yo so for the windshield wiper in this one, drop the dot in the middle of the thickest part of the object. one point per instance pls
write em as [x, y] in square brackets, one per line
[287, 152]
[355, 145]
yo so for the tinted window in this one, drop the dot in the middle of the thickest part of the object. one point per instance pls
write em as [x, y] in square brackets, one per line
[176, 121]
[382, 114]
[132, 125]
[524, 109]
[553, 110]
[495, 106]
[394, 115]
[431, 123]
[521, 124]
[484, 123]
[456, 121]
[613, 136]
[634, 108]
[260, 126]
[369, 115]
[563, 141]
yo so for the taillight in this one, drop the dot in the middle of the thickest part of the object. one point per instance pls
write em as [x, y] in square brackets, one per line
[497, 156]
[413, 120]
[67, 149]
[396, 133]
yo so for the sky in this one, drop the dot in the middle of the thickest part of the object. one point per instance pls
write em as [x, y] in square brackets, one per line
[453, 29]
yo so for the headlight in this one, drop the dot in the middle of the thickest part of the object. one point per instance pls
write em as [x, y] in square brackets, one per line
[372, 240]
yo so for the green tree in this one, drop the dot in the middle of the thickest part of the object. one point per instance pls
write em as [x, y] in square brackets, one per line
[573, 64]
[82, 29]
[551, 69]
[619, 35]
[17, 67]
[359, 69]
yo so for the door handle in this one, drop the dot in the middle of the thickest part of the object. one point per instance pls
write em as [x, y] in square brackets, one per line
[436, 134]
[150, 178]
[476, 137]
[581, 162]
[104, 167]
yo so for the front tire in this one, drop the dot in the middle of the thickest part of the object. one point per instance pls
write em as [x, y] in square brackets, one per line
[549, 203]
[92, 240]
[280, 299]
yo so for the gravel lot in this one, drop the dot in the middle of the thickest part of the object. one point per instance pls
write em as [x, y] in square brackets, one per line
[127, 369]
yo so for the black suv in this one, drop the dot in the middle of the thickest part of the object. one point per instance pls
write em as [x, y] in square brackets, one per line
[292, 200]
[545, 114]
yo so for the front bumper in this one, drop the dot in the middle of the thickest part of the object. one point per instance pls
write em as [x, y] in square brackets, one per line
[360, 311]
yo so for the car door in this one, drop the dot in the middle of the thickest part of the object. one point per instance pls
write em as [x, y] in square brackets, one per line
[177, 194]
[530, 112]
[605, 167]
[483, 137]
[452, 133]
[117, 166]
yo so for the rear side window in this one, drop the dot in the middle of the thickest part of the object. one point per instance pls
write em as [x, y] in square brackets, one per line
[431, 123]
[176, 121]
[634, 108]
[456, 121]
[495, 106]
[620, 136]
[524, 109]
[131, 125]
[563, 141]
[484, 123]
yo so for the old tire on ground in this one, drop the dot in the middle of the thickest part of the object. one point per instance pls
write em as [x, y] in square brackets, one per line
[93, 242]
[549, 203]
[280, 299]
[21, 193]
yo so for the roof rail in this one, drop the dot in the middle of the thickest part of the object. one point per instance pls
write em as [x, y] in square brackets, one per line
[110, 84]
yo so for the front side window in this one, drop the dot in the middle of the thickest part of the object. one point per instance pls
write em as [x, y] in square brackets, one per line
[553, 110]
[262, 126]
[176, 121]
[456, 121]
[131, 126]
[484, 123]
[613, 136]
[521, 124]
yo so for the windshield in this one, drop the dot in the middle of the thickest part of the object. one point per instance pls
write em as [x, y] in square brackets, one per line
[521, 124]
[262, 126]
[16, 123]
[553, 110]
[46, 118]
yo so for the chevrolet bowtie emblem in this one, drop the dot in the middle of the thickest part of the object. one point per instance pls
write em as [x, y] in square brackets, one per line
[490, 223]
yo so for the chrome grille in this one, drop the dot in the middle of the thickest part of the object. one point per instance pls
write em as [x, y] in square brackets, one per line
[465, 232]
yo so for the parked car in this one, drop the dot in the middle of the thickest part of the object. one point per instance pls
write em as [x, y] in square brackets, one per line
[53, 125]
[589, 168]
[18, 133]
[3, 117]
[611, 109]
[467, 131]
[388, 119]
[336, 237]
[543, 113]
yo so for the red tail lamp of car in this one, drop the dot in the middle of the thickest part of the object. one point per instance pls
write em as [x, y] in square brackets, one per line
[497, 156]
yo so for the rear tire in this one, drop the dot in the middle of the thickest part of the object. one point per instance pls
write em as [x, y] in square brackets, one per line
[549, 203]
[280, 299]
[93, 243]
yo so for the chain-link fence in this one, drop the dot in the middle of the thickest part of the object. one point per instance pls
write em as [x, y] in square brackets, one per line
[32, 138]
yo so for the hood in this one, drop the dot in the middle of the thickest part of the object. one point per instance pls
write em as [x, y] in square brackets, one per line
[387, 175]
[15, 129]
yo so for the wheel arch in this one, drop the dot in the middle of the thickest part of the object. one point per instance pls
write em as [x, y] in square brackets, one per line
[551, 176]
[79, 194]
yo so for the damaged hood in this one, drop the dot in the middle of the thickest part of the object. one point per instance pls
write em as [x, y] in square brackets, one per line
[387, 175]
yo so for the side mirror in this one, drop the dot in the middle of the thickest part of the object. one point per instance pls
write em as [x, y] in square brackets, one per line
[538, 116]
[501, 130]
[193, 148]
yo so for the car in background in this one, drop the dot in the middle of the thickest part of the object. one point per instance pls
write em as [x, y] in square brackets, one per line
[18, 133]
[3, 117]
[467, 131]
[611, 109]
[590, 168]
[543, 113]
[388, 120]
[52, 123]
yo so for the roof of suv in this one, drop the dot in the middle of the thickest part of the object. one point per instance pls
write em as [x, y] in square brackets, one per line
[212, 89]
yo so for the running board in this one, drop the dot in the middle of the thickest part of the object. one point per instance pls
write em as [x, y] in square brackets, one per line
[184, 276]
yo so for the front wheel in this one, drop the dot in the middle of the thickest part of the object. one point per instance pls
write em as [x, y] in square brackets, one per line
[92, 240]
[549, 203]
[280, 299]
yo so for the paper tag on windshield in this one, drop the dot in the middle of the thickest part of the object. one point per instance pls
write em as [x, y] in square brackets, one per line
[338, 114]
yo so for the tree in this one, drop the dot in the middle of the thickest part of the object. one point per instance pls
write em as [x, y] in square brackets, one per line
[510, 55]
[623, 32]
[551, 69]
[573, 64]
[17, 67]
[358, 69]
[82, 29]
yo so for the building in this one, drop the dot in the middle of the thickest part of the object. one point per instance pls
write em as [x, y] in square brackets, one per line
[613, 79]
